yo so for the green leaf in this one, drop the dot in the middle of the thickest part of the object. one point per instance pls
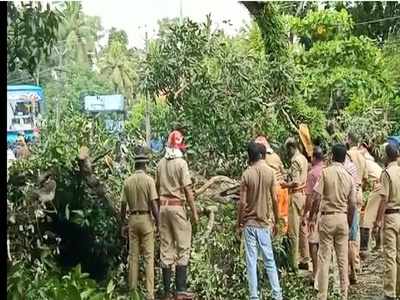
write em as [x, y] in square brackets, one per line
[110, 287]
[67, 214]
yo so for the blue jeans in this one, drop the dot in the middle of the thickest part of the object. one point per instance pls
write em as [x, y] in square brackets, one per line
[354, 226]
[260, 238]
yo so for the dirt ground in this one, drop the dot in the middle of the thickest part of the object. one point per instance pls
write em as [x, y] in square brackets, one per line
[370, 280]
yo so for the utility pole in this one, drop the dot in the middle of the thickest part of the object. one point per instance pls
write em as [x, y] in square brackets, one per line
[180, 12]
[37, 75]
[147, 106]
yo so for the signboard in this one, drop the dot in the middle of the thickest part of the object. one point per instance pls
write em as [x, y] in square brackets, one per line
[115, 126]
[109, 103]
[25, 96]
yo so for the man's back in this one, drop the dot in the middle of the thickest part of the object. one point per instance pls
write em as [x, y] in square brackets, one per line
[274, 161]
[139, 190]
[172, 176]
[360, 162]
[335, 188]
[299, 168]
[259, 180]
[391, 185]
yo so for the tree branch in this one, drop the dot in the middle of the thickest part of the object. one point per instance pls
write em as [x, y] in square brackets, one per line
[291, 123]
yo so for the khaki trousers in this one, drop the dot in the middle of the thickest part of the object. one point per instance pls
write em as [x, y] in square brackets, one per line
[391, 250]
[297, 234]
[354, 246]
[175, 236]
[333, 233]
[141, 240]
[371, 210]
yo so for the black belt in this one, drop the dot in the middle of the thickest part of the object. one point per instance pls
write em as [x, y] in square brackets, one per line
[328, 213]
[389, 211]
[139, 212]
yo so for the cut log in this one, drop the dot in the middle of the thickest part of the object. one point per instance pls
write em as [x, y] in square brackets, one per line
[213, 180]
[86, 170]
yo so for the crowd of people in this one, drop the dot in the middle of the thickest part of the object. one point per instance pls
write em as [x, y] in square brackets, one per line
[328, 219]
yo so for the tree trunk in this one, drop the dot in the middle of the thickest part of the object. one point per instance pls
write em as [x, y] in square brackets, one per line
[270, 22]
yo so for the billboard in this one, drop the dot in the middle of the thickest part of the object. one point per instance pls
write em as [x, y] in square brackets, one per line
[108, 103]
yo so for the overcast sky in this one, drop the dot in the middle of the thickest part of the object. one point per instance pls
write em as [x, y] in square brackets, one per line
[136, 16]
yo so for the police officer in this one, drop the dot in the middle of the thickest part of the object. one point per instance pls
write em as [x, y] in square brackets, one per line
[335, 199]
[296, 185]
[312, 179]
[140, 194]
[389, 217]
[21, 150]
[359, 160]
[274, 161]
[174, 187]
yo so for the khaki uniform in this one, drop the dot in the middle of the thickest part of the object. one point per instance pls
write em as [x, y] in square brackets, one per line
[371, 210]
[359, 160]
[22, 152]
[391, 230]
[175, 227]
[336, 189]
[297, 233]
[313, 177]
[139, 191]
[274, 161]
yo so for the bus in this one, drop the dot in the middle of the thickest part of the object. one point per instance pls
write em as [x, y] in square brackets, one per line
[25, 106]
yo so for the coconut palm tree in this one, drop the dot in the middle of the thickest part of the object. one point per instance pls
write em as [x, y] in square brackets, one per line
[78, 33]
[118, 63]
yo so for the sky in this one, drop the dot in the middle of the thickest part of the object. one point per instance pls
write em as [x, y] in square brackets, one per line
[135, 17]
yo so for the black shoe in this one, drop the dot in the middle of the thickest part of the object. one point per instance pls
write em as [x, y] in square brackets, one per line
[353, 279]
[180, 279]
[303, 266]
[364, 240]
[166, 275]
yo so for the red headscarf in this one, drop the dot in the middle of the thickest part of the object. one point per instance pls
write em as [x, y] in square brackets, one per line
[175, 140]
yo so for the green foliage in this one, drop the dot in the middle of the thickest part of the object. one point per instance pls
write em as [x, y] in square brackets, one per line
[31, 34]
[209, 82]
[271, 23]
[343, 77]
[371, 11]
[75, 81]
[120, 65]
[45, 281]
[77, 208]
[322, 25]
[78, 34]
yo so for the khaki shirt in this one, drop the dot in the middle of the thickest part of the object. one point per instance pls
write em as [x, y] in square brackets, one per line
[22, 152]
[139, 190]
[390, 180]
[360, 162]
[172, 176]
[336, 189]
[274, 161]
[299, 169]
[259, 180]
[374, 170]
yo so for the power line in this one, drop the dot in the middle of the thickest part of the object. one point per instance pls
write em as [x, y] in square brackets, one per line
[378, 20]
[26, 77]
